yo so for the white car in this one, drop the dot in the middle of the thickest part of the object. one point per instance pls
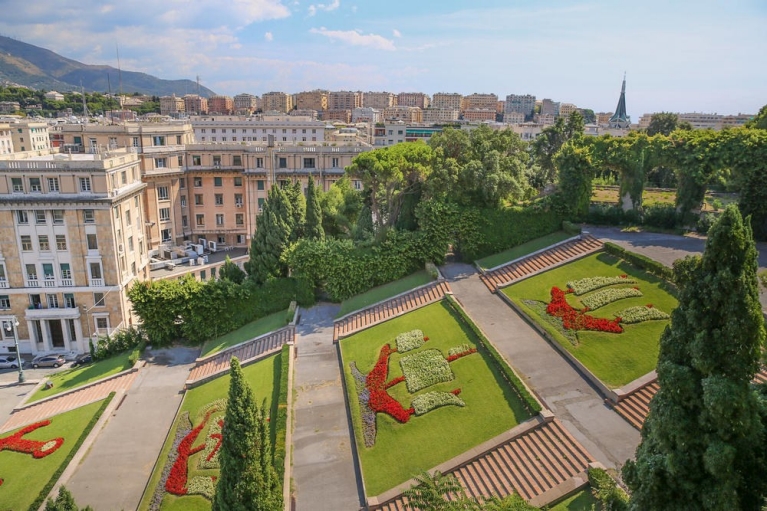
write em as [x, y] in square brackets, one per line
[9, 362]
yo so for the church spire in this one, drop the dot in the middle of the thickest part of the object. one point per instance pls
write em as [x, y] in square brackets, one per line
[620, 119]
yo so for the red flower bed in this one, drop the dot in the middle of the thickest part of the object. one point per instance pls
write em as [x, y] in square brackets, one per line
[453, 358]
[573, 319]
[395, 381]
[16, 443]
[176, 483]
[380, 400]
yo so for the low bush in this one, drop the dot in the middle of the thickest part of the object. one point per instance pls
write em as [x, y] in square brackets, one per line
[136, 353]
[640, 261]
[607, 491]
[122, 340]
[661, 216]
[281, 426]
[705, 221]
[571, 228]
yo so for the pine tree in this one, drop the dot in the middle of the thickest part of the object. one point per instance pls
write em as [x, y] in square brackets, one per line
[703, 443]
[64, 502]
[314, 230]
[247, 481]
[294, 198]
[230, 271]
[270, 239]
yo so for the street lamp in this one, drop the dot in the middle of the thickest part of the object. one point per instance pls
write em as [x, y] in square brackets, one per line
[10, 327]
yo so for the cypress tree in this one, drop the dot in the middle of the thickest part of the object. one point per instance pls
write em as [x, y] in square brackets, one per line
[64, 502]
[703, 443]
[270, 239]
[294, 197]
[314, 230]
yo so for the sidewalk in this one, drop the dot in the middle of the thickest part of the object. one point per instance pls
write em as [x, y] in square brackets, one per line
[580, 408]
[324, 470]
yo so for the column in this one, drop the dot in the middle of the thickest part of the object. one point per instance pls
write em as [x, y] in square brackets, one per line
[33, 344]
[82, 346]
[47, 346]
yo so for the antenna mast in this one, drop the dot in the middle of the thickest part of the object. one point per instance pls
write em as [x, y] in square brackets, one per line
[119, 71]
[85, 105]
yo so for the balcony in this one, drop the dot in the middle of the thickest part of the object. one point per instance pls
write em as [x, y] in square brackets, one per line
[97, 282]
[53, 313]
[33, 283]
[49, 282]
[3, 284]
[67, 282]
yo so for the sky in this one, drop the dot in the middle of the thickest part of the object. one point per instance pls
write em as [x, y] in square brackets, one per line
[682, 55]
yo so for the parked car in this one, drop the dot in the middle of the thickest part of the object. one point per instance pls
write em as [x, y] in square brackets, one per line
[82, 359]
[48, 361]
[9, 362]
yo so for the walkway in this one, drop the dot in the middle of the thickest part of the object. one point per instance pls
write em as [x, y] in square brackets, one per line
[324, 470]
[116, 469]
[356, 321]
[540, 262]
[577, 405]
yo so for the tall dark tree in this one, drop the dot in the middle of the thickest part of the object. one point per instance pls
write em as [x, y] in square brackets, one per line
[231, 271]
[64, 502]
[247, 481]
[549, 142]
[703, 443]
[294, 197]
[271, 238]
[663, 123]
[314, 230]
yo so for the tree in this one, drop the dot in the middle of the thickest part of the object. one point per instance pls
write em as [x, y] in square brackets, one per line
[294, 197]
[64, 502]
[247, 481]
[663, 123]
[340, 206]
[230, 271]
[271, 238]
[550, 141]
[576, 173]
[703, 442]
[431, 493]
[314, 230]
[760, 120]
[589, 117]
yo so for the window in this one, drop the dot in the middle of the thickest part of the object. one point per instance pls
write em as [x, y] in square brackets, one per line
[217, 159]
[92, 240]
[22, 217]
[66, 272]
[237, 181]
[17, 183]
[185, 221]
[5, 302]
[164, 214]
[140, 246]
[40, 217]
[178, 139]
[127, 217]
[53, 301]
[88, 216]
[42, 240]
[283, 163]
[158, 140]
[160, 163]
[334, 163]
[218, 181]
[237, 160]
[183, 201]
[219, 219]
[203, 275]
[58, 216]
[162, 193]
[219, 199]
[135, 201]
[31, 272]
[239, 219]
[260, 184]
[196, 161]
[123, 177]
[238, 199]
[308, 163]
[182, 183]
[61, 242]
[26, 243]
[198, 199]
[53, 184]
[117, 212]
[85, 184]
[95, 270]
[133, 268]
[198, 182]
[260, 204]
[135, 142]
[48, 272]
[165, 235]
[259, 163]
[98, 299]
[200, 220]
[69, 301]
[102, 323]
[357, 185]
[34, 184]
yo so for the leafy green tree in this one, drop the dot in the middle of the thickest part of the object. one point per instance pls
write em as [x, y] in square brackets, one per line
[663, 123]
[272, 237]
[576, 173]
[230, 271]
[549, 142]
[760, 120]
[64, 502]
[294, 197]
[340, 206]
[431, 493]
[161, 305]
[247, 481]
[589, 117]
[314, 228]
[703, 442]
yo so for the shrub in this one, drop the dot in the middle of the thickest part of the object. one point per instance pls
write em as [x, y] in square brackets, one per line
[640, 313]
[118, 342]
[664, 217]
[705, 221]
[571, 228]
[606, 490]
[763, 277]
[281, 425]
[429, 401]
[640, 261]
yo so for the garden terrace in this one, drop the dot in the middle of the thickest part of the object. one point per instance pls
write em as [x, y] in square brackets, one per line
[522, 250]
[384, 292]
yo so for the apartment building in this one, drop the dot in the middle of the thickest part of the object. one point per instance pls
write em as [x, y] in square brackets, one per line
[565, 109]
[408, 114]
[513, 118]
[522, 103]
[195, 105]
[479, 115]
[312, 100]
[311, 114]
[238, 129]
[367, 114]
[223, 105]
[171, 105]
[6, 140]
[244, 104]
[447, 100]
[73, 233]
[703, 120]
[344, 100]
[334, 115]
[30, 136]
[434, 115]
[379, 100]
[603, 118]
[480, 102]
[550, 107]
[417, 99]
[398, 132]
[276, 102]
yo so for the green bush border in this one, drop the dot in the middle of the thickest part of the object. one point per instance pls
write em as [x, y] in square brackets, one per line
[529, 401]
[640, 261]
[65, 463]
[281, 424]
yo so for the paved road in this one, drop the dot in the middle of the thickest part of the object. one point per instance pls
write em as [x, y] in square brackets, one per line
[116, 469]
[324, 469]
[10, 396]
[609, 438]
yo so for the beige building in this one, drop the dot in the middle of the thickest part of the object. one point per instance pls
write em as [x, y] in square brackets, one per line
[513, 118]
[523, 103]
[379, 100]
[408, 114]
[435, 115]
[417, 99]
[277, 102]
[222, 105]
[550, 107]
[480, 102]
[344, 100]
[312, 100]
[479, 114]
[195, 105]
[245, 103]
[30, 136]
[6, 140]
[565, 109]
[171, 105]
[703, 120]
[367, 114]
[335, 115]
[447, 100]
[54, 96]
[603, 118]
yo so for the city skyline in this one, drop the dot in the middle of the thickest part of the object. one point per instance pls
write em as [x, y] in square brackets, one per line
[676, 58]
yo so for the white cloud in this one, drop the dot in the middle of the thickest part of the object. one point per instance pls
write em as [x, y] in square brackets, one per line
[332, 6]
[396, 33]
[268, 36]
[356, 38]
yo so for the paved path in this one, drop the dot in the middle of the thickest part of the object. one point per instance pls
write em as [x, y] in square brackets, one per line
[10, 396]
[323, 463]
[116, 469]
[579, 407]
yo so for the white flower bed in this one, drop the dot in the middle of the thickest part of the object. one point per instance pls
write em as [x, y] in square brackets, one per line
[641, 313]
[602, 298]
[429, 401]
[425, 369]
[409, 341]
[583, 286]
[457, 350]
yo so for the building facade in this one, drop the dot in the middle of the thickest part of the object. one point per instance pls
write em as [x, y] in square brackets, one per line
[367, 114]
[30, 136]
[171, 105]
[447, 100]
[312, 100]
[417, 99]
[245, 103]
[334, 115]
[408, 114]
[277, 102]
[436, 115]
[479, 114]
[522, 103]
[6, 140]
[565, 109]
[195, 105]
[344, 100]
[238, 129]
[480, 102]
[379, 100]
[222, 105]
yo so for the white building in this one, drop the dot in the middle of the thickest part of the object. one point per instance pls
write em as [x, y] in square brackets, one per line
[227, 129]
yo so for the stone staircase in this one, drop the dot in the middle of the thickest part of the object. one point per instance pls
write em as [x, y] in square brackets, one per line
[540, 262]
[382, 311]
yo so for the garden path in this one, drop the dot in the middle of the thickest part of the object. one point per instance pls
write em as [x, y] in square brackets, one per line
[575, 403]
[324, 470]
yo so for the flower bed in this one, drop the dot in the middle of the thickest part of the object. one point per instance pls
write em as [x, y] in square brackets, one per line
[409, 341]
[425, 369]
[583, 286]
[641, 313]
[540, 309]
[574, 319]
[606, 296]
[429, 401]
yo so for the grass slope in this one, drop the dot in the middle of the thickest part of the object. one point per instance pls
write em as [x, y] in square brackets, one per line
[380, 293]
[24, 476]
[581, 501]
[79, 376]
[246, 332]
[522, 250]
[616, 359]
[263, 377]
[404, 450]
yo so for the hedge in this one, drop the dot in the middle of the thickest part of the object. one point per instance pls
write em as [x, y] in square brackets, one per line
[532, 404]
[640, 261]
[281, 425]
[65, 463]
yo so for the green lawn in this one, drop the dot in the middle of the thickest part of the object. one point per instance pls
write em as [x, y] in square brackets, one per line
[24, 477]
[78, 376]
[380, 293]
[522, 250]
[402, 451]
[263, 377]
[581, 501]
[244, 333]
[616, 359]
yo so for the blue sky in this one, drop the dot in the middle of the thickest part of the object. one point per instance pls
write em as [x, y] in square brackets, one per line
[704, 56]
